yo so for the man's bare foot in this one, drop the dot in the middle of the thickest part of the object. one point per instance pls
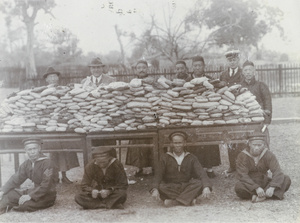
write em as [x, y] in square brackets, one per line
[194, 202]
[256, 199]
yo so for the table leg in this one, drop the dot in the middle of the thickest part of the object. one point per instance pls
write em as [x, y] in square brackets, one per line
[155, 153]
[17, 162]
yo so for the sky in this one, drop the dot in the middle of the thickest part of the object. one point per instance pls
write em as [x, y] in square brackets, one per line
[93, 21]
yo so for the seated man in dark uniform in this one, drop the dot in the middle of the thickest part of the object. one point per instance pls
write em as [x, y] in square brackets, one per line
[37, 168]
[180, 178]
[104, 183]
[252, 166]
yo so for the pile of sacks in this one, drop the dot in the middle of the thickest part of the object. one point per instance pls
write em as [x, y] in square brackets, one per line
[140, 104]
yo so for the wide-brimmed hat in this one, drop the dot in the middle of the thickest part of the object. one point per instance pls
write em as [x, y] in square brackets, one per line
[50, 70]
[96, 62]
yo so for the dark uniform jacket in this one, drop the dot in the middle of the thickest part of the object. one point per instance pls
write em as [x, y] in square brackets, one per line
[94, 177]
[235, 79]
[170, 172]
[187, 77]
[40, 172]
[263, 95]
[252, 174]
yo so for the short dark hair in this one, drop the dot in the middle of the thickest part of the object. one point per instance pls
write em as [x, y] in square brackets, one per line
[198, 58]
[248, 63]
[180, 62]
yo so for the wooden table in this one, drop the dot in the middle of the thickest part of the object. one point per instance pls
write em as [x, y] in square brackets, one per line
[70, 141]
[125, 135]
[209, 135]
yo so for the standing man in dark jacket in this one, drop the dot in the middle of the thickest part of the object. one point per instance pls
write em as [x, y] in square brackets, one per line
[104, 183]
[37, 168]
[63, 161]
[231, 76]
[253, 164]
[141, 157]
[180, 178]
[259, 89]
[208, 156]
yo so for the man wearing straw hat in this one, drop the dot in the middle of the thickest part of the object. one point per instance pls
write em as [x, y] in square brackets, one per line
[104, 183]
[37, 168]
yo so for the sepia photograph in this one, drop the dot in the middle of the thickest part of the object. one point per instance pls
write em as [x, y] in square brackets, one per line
[150, 111]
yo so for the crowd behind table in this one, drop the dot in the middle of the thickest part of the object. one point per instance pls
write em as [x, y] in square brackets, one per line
[183, 174]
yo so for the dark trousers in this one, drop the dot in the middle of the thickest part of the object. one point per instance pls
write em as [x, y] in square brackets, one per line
[243, 191]
[184, 193]
[208, 155]
[233, 151]
[11, 199]
[140, 157]
[86, 201]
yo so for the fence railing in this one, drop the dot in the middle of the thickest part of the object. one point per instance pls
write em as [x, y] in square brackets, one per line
[281, 79]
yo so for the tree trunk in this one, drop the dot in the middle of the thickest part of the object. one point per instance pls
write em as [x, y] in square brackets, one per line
[30, 61]
[119, 34]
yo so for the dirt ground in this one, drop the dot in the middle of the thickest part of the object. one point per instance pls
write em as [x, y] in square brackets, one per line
[223, 206]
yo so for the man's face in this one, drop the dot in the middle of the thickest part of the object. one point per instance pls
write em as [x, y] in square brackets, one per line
[97, 71]
[103, 161]
[233, 62]
[178, 144]
[52, 79]
[180, 69]
[248, 72]
[33, 151]
[256, 147]
[198, 68]
[142, 70]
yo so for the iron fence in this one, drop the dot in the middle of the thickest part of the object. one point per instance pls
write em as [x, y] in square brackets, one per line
[282, 79]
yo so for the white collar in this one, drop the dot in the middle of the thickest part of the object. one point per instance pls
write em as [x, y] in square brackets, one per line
[94, 79]
[179, 158]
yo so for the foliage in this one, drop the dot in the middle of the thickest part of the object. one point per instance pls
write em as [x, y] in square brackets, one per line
[240, 22]
[26, 11]
[230, 23]
[65, 46]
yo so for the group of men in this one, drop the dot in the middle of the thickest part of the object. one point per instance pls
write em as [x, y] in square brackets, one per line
[180, 178]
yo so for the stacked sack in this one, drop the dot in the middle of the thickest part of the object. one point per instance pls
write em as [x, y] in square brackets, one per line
[140, 104]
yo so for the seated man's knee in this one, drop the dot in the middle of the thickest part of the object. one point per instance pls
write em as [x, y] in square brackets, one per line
[240, 191]
[78, 199]
[288, 181]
